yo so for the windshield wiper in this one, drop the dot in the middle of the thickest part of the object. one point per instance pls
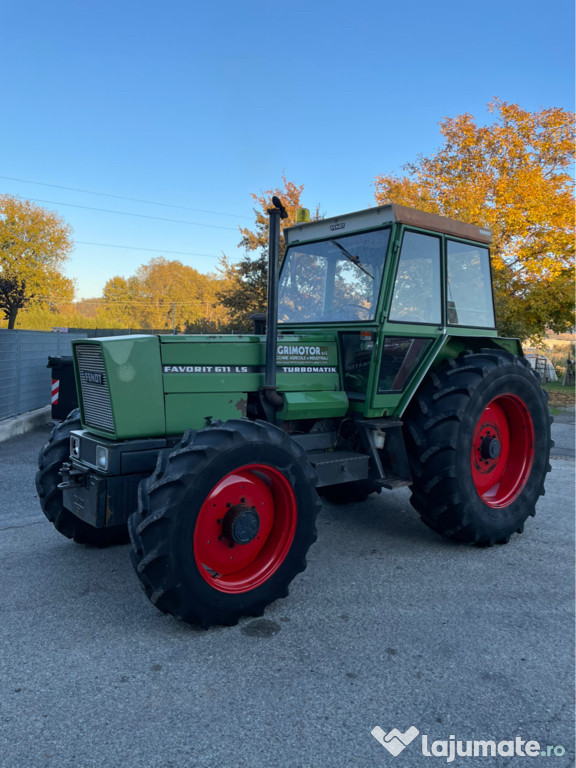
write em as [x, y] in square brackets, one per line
[354, 259]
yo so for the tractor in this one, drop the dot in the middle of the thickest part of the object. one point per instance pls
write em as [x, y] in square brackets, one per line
[377, 365]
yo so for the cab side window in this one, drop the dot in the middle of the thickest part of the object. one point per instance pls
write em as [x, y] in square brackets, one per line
[417, 291]
[468, 287]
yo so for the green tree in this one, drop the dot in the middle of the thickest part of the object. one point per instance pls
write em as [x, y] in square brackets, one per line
[245, 284]
[34, 245]
[513, 176]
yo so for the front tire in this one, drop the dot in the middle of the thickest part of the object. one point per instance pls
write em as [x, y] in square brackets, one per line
[52, 456]
[478, 440]
[224, 522]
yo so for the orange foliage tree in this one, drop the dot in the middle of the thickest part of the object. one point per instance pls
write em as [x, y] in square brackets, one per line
[513, 176]
[160, 295]
[245, 284]
[34, 244]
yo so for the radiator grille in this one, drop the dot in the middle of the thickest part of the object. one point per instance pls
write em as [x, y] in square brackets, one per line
[94, 387]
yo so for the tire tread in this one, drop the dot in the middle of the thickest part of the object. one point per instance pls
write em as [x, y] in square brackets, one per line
[434, 419]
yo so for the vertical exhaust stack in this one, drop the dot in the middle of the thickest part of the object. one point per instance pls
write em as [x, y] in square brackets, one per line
[271, 396]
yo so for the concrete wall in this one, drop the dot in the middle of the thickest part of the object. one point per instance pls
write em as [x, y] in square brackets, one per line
[25, 379]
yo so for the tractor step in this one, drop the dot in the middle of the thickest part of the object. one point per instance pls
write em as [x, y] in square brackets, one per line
[334, 467]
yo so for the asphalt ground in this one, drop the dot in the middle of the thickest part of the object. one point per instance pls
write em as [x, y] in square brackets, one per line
[389, 626]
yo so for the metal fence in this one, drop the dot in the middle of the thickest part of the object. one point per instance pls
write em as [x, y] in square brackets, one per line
[96, 333]
[25, 379]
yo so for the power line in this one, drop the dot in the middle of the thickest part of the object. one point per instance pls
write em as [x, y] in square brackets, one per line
[153, 250]
[122, 197]
[145, 302]
[126, 213]
[132, 248]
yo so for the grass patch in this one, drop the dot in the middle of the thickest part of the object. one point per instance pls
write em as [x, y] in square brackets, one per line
[559, 396]
[555, 411]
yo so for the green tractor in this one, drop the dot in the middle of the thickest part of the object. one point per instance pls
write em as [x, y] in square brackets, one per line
[377, 366]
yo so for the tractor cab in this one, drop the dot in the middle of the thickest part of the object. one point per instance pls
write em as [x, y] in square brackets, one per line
[394, 284]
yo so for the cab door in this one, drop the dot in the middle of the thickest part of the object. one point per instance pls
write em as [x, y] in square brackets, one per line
[413, 319]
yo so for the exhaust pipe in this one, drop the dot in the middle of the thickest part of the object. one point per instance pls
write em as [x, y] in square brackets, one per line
[270, 390]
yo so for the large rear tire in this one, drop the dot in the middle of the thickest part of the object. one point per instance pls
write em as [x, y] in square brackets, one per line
[478, 441]
[224, 522]
[52, 456]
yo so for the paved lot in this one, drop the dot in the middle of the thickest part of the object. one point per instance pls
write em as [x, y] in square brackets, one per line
[390, 625]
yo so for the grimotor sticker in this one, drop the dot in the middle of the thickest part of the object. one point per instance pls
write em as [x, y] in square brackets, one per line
[301, 353]
[291, 358]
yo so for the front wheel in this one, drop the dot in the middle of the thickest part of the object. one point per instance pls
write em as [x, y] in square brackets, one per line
[52, 456]
[478, 440]
[224, 522]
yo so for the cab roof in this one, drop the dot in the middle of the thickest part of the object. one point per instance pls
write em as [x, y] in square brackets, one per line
[380, 216]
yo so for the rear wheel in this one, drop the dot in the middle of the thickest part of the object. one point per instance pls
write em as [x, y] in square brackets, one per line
[224, 522]
[52, 456]
[478, 439]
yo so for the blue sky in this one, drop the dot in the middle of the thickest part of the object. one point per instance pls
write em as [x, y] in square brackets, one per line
[198, 105]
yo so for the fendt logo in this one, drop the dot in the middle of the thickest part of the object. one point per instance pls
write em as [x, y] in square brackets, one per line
[92, 377]
[395, 741]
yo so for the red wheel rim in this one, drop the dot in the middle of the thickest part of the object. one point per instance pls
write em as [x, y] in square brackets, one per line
[254, 492]
[502, 450]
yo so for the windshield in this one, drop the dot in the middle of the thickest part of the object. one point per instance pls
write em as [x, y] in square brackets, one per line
[333, 280]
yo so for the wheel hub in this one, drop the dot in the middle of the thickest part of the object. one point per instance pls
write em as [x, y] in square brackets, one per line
[487, 449]
[241, 524]
[245, 528]
[490, 447]
[502, 450]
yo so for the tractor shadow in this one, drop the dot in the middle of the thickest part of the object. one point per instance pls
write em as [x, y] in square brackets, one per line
[387, 516]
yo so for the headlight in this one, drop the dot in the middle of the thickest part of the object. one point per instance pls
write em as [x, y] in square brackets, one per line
[74, 446]
[102, 456]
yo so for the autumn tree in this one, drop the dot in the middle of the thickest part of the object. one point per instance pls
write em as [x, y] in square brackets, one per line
[87, 308]
[245, 284]
[121, 303]
[34, 245]
[161, 294]
[244, 289]
[513, 176]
